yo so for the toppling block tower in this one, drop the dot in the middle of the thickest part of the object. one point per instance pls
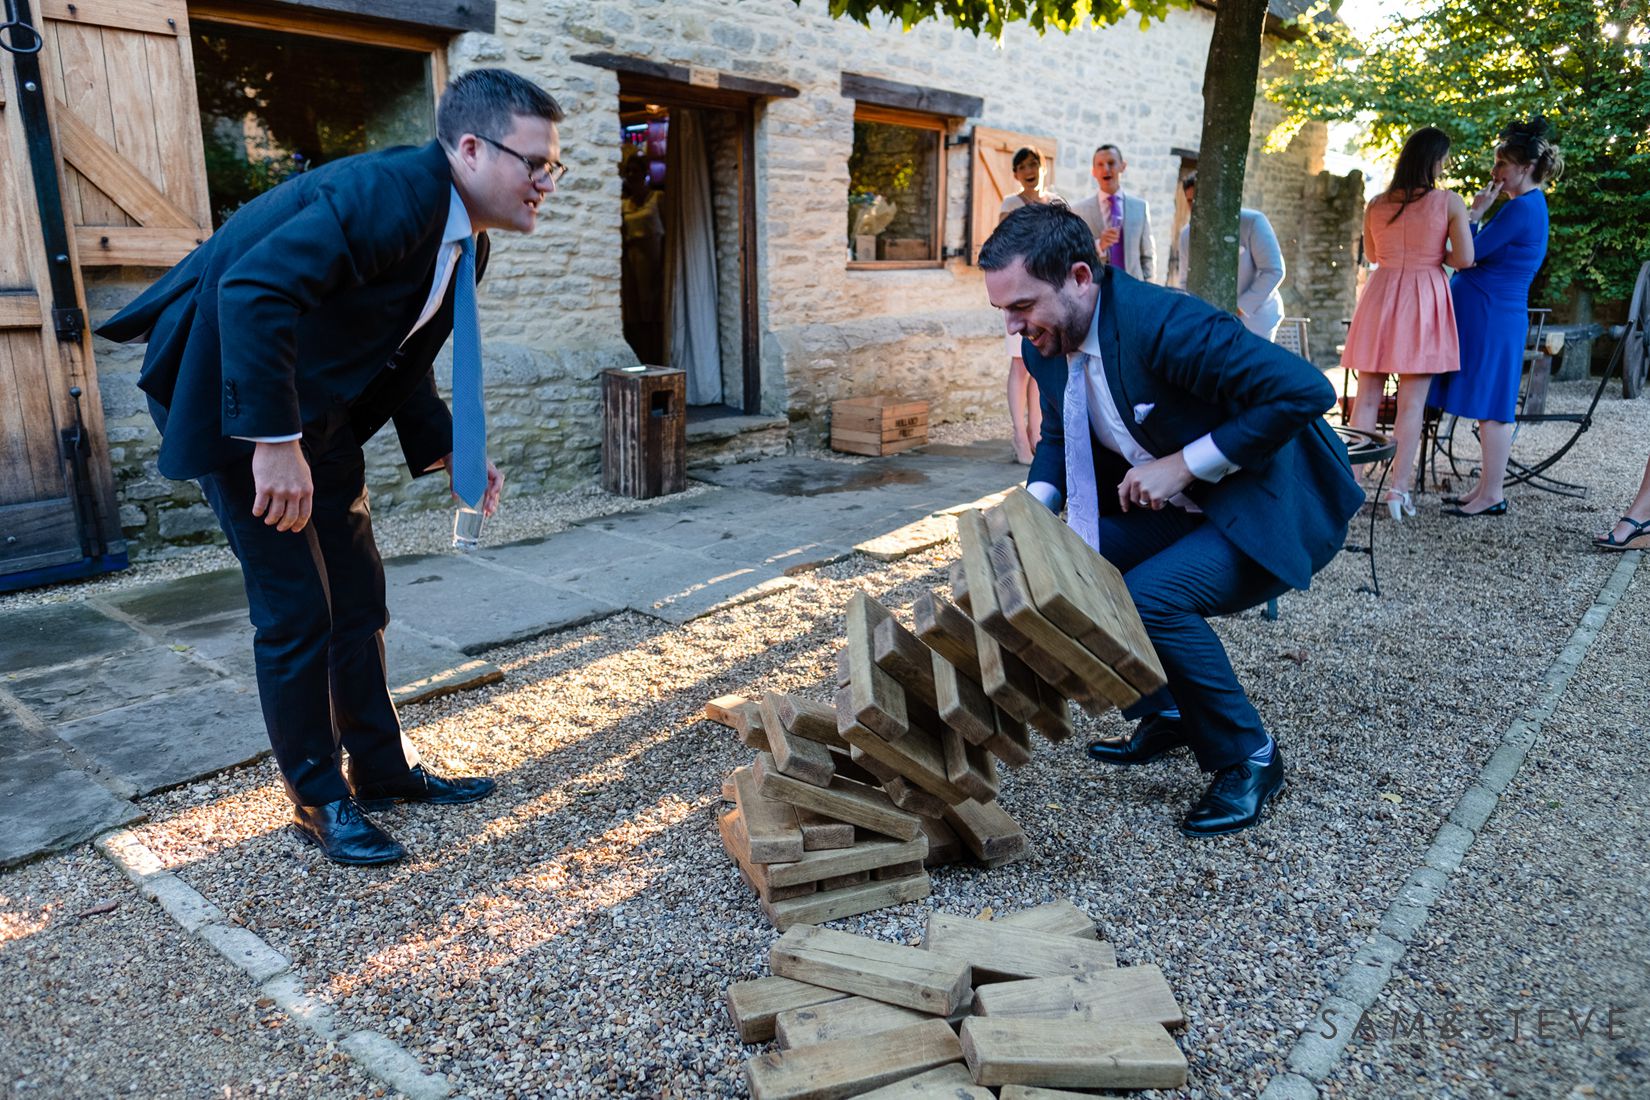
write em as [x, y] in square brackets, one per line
[846, 804]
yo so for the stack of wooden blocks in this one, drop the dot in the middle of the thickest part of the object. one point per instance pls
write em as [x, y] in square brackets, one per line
[1030, 1003]
[878, 425]
[844, 805]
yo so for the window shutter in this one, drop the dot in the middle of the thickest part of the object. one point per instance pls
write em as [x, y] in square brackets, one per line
[122, 79]
[993, 177]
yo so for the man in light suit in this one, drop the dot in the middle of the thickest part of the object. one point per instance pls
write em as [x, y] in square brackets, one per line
[1121, 223]
[1260, 266]
[276, 349]
[1195, 457]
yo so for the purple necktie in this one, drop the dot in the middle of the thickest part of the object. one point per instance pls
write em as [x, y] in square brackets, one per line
[1082, 497]
[1116, 255]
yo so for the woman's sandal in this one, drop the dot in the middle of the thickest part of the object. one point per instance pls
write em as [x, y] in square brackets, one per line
[1638, 540]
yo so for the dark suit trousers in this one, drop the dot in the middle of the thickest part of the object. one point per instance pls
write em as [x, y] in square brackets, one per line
[1180, 570]
[318, 609]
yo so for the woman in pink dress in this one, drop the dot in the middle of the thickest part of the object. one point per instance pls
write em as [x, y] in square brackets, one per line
[1405, 322]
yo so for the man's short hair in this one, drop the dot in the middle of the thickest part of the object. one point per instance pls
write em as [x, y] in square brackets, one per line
[1118, 149]
[487, 102]
[1047, 237]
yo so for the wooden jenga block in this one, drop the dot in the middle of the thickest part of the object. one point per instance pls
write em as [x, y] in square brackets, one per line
[844, 800]
[1032, 1092]
[897, 975]
[729, 791]
[766, 892]
[1011, 743]
[810, 718]
[987, 831]
[915, 757]
[849, 1018]
[842, 882]
[1080, 592]
[962, 703]
[968, 766]
[775, 836]
[948, 632]
[737, 843]
[1001, 952]
[897, 870]
[901, 655]
[948, 1082]
[838, 862]
[1124, 994]
[959, 586]
[1005, 678]
[875, 699]
[728, 710]
[848, 1067]
[795, 755]
[843, 673]
[834, 904]
[754, 1004]
[1059, 918]
[944, 846]
[1071, 1054]
[1053, 717]
[908, 796]
[821, 833]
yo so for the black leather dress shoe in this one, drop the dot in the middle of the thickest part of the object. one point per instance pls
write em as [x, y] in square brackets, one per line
[423, 786]
[345, 834]
[1235, 799]
[1154, 736]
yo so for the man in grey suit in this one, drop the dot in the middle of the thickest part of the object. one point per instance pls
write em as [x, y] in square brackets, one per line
[1260, 267]
[1121, 224]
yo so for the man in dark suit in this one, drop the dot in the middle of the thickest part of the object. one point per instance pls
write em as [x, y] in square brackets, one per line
[1194, 456]
[276, 349]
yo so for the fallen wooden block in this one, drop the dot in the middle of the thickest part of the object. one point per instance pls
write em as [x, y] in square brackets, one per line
[821, 833]
[755, 1003]
[1002, 952]
[900, 654]
[848, 1067]
[1053, 717]
[907, 796]
[775, 836]
[1005, 678]
[811, 719]
[915, 756]
[944, 846]
[959, 586]
[767, 893]
[833, 904]
[962, 703]
[737, 843]
[948, 632]
[844, 800]
[730, 710]
[1121, 995]
[1032, 1092]
[897, 870]
[873, 698]
[948, 1082]
[905, 976]
[1012, 742]
[848, 1018]
[1057, 918]
[795, 755]
[1071, 1054]
[987, 831]
[860, 858]
[968, 766]
[843, 882]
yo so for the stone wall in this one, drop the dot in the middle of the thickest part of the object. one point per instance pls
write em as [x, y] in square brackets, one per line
[550, 302]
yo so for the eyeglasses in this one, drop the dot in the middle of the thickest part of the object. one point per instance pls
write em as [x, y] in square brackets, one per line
[539, 169]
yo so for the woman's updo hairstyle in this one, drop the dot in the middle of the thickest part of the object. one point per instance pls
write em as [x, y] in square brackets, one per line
[1531, 142]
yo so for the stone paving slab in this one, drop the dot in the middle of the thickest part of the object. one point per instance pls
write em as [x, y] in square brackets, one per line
[57, 634]
[105, 682]
[49, 803]
[174, 739]
[187, 600]
[474, 605]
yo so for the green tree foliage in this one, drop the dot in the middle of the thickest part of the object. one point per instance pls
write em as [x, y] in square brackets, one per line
[991, 16]
[1469, 67]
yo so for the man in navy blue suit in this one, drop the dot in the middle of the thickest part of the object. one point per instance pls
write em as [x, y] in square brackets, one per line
[276, 349]
[1194, 456]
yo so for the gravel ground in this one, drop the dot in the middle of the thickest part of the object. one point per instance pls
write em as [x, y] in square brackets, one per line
[573, 934]
[1545, 923]
[123, 1001]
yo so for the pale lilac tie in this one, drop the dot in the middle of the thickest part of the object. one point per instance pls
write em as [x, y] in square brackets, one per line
[1115, 255]
[1082, 498]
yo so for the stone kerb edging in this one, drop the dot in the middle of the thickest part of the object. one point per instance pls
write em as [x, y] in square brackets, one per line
[270, 971]
[1314, 1057]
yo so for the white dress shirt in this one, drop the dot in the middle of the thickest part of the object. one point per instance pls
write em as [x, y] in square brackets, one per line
[458, 228]
[1203, 458]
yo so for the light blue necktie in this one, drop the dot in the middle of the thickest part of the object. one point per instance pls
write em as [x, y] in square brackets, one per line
[469, 417]
[1082, 497]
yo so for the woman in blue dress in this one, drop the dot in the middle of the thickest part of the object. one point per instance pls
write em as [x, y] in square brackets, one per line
[1492, 304]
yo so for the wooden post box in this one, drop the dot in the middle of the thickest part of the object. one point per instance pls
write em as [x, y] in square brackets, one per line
[644, 431]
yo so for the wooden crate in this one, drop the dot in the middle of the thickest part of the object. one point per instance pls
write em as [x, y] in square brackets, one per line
[644, 431]
[878, 425]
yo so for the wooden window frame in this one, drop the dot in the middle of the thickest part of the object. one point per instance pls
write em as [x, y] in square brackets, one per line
[317, 24]
[940, 125]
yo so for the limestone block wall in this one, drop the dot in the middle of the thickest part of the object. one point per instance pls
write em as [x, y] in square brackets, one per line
[551, 303]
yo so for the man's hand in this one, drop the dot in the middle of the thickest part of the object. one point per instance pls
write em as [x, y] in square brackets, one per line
[1108, 237]
[495, 484]
[1151, 485]
[284, 491]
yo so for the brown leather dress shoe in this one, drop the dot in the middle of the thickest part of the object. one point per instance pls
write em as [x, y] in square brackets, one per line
[345, 834]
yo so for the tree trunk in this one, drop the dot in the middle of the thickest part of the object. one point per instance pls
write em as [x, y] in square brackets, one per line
[1229, 80]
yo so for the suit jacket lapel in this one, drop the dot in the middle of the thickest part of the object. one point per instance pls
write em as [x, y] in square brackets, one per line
[1111, 348]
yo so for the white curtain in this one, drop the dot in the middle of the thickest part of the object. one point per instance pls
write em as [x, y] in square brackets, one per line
[690, 260]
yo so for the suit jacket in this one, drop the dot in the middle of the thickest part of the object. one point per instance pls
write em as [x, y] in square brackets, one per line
[297, 308]
[1202, 373]
[1139, 251]
[1260, 271]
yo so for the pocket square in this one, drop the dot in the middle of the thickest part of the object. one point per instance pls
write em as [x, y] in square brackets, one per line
[1141, 412]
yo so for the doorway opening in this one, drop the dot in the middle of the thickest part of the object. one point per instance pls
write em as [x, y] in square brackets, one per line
[687, 244]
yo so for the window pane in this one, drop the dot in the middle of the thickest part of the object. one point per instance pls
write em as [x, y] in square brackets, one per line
[275, 104]
[893, 182]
